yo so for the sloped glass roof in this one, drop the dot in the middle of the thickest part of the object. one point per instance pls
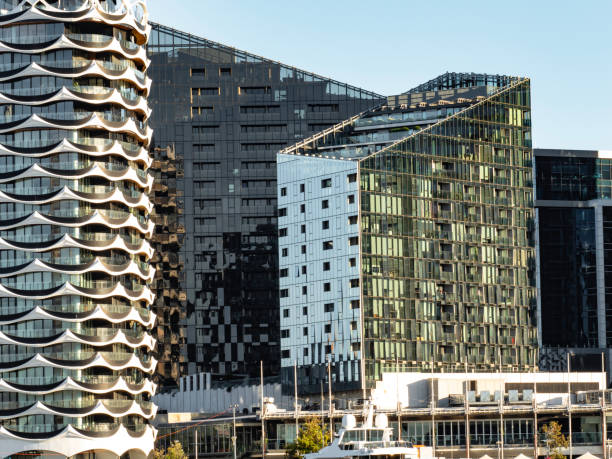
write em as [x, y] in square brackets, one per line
[167, 39]
[402, 116]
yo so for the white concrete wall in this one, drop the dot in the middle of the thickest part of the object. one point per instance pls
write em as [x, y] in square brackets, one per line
[413, 389]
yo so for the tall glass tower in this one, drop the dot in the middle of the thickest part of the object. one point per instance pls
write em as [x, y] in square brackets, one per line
[75, 320]
[220, 115]
[406, 237]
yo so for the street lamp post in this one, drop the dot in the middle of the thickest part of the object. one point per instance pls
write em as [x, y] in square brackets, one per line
[234, 438]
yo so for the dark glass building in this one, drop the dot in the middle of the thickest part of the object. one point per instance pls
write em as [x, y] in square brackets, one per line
[406, 238]
[225, 113]
[574, 215]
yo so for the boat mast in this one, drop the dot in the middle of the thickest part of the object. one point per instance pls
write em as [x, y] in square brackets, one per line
[329, 388]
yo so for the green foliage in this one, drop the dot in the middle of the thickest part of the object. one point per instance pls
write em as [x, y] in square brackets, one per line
[555, 440]
[311, 438]
[174, 451]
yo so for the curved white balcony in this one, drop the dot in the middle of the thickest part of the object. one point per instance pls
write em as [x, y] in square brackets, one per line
[70, 442]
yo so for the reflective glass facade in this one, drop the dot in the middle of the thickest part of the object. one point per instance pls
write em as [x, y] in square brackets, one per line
[561, 177]
[226, 113]
[445, 244]
[75, 343]
[568, 277]
[574, 205]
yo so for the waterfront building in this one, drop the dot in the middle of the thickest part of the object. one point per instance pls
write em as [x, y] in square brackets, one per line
[574, 223]
[457, 414]
[75, 318]
[405, 238]
[224, 113]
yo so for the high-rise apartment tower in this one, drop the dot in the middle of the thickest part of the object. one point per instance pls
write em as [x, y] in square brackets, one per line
[405, 237]
[75, 318]
[222, 114]
[574, 223]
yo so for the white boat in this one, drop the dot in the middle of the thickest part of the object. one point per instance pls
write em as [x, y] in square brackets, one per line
[368, 441]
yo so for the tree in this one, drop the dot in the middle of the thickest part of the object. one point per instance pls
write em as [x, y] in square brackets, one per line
[555, 440]
[174, 451]
[311, 438]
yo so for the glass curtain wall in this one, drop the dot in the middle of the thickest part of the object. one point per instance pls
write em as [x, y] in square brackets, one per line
[447, 246]
[225, 113]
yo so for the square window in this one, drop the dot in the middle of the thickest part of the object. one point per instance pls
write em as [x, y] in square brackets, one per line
[326, 183]
[284, 252]
[284, 333]
[326, 266]
[352, 262]
[305, 331]
[285, 354]
[354, 283]
[282, 232]
[353, 325]
[328, 245]
[325, 204]
[304, 310]
[327, 328]
[284, 272]
[325, 224]
[302, 208]
[353, 240]
[225, 71]
[352, 220]
[302, 188]
[328, 349]
[285, 312]
[352, 178]
[305, 352]
[327, 286]
[304, 269]
[303, 229]
[350, 199]
[354, 304]
[284, 191]
[328, 307]
[303, 249]
[304, 290]
[284, 293]
[282, 212]
[355, 347]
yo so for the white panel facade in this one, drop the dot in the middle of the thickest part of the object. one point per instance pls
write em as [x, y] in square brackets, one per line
[319, 263]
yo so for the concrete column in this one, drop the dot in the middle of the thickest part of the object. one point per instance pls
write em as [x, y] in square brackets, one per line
[538, 280]
[601, 279]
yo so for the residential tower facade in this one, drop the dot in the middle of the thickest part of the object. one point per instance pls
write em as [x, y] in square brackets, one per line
[75, 318]
[405, 238]
[225, 113]
[574, 220]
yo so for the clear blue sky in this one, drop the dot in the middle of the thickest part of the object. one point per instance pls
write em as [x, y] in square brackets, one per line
[389, 46]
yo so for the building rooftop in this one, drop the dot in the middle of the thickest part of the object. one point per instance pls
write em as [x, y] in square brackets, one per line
[402, 116]
[166, 38]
